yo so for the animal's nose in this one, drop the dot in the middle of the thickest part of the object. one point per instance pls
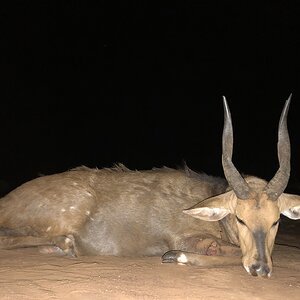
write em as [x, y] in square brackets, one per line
[261, 270]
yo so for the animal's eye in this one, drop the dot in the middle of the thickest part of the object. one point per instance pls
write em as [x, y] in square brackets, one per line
[240, 221]
[275, 223]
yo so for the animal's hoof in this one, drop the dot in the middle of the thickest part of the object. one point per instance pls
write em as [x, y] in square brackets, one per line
[174, 256]
[51, 250]
[65, 245]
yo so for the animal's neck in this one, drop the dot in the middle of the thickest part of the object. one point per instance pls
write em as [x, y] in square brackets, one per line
[229, 230]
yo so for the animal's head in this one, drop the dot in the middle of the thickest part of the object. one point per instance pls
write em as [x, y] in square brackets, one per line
[255, 204]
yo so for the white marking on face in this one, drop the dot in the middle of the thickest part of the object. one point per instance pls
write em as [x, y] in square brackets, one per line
[247, 269]
[88, 193]
[259, 269]
[75, 183]
[48, 229]
[62, 210]
[87, 212]
[72, 207]
[182, 258]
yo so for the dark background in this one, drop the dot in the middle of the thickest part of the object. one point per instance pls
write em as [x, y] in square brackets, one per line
[141, 83]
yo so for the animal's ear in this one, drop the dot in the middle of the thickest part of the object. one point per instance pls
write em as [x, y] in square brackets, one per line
[289, 205]
[214, 208]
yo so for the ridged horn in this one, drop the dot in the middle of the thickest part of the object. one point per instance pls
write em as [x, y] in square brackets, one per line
[278, 183]
[232, 175]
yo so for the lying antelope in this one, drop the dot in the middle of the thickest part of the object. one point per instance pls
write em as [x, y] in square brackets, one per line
[121, 212]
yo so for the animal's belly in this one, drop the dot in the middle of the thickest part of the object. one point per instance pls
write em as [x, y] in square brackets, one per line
[126, 246]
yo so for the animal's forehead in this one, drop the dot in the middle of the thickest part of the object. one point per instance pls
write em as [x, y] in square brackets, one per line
[258, 201]
[257, 210]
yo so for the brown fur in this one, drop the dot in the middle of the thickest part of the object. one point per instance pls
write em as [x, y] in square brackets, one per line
[111, 211]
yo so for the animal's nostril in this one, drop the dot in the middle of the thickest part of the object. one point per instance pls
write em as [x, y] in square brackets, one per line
[253, 271]
[260, 270]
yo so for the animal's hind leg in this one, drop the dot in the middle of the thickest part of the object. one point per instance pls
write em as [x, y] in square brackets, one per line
[14, 242]
[57, 244]
[61, 245]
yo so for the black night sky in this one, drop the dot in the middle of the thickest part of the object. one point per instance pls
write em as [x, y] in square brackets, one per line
[141, 83]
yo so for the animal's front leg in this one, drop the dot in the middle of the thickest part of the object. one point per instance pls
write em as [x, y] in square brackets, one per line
[196, 259]
[203, 251]
[217, 247]
[207, 245]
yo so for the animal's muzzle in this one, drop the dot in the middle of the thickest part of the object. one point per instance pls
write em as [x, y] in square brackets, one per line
[261, 270]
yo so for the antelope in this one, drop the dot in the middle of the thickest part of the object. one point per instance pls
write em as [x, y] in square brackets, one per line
[117, 211]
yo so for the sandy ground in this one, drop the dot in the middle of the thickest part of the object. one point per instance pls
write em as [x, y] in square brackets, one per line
[27, 274]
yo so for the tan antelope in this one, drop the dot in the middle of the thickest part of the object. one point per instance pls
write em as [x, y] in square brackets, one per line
[116, 211]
